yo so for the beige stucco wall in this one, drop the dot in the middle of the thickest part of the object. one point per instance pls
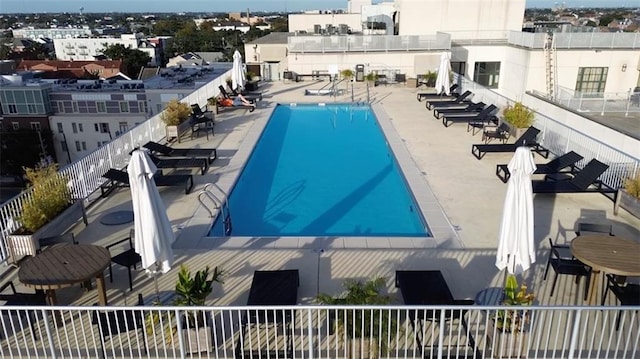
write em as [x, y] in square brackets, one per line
[464, 19]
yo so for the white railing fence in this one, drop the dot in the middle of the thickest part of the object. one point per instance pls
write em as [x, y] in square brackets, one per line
[319, 332]
[85, 175]
[560, 138]
[601, 102]
[365, 43]
[577, 40]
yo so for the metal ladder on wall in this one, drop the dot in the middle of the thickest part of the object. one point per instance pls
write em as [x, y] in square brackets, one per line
[206, 198]
[550, 64]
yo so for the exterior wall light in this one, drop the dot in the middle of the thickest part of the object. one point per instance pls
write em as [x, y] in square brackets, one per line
[624, 67]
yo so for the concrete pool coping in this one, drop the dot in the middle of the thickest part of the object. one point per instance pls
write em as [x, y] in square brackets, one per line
[443, 235]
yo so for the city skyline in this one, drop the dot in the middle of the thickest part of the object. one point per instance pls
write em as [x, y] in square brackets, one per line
[158, 6]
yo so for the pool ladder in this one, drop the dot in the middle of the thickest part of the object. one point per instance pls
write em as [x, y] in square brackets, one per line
[206, 197]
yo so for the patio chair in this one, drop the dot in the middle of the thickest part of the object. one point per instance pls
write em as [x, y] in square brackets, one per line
[119, 178]
[252, 94]
[209, 153]
[566, 266]
[585, 181]
[269, 288]
[429, 95]
[253, 98]
[15, 298]
[126, 258]
[564, 164]
[116, 322]
[528, 138]
[461, 109]
[228, 104]
[431, 102]
[428, 288]
[59, 239]
[594, 228]
[628, 294]
[458, 102]
[483, 116]
[179, 163]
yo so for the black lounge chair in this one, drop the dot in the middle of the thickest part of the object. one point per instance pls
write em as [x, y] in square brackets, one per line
[430, 103]
[270, 288]
[429, 95]
[429, 288]
[257, 95]
[455, 103]
[528, 138]
[584, 181]
[464, 109]
[563, 164]
[253, 98]
[484, 116]
[208, 153]
[118, 178]
[174, 163]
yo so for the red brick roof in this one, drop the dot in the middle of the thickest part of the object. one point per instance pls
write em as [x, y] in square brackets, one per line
[66, 69]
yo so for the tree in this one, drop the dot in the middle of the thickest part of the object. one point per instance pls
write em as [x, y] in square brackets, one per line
[280, 25]
[132, 59]
[22, 148]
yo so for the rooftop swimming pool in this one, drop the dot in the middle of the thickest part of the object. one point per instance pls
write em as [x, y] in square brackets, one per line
[321, 170]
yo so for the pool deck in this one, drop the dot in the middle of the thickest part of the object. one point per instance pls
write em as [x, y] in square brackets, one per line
[466, 192]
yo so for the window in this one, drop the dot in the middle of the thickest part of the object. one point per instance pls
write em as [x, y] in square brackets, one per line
[142, 105]
[13, 108]
[101, 106]
[591, 81]
[78, 148]
[459, 67]
[124, 107]
[32, 108]
[15, 125]
[74, 106]
[104, 127]
[63, 144]
[95, 125]
[84, 146]
[80, 127]
[60, 130]
[35, 126]
[124, 127]
[487, 74]
[74, 127]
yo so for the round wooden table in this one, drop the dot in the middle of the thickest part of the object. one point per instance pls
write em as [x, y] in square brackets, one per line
[609, 254]
[65, 265]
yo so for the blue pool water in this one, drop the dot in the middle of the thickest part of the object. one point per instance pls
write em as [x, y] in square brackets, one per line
[322, 171]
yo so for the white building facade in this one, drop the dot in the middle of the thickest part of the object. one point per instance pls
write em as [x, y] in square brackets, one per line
[88, 48]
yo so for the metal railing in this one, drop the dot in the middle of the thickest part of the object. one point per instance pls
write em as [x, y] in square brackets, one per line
[577, 40]
[319, 332]
[85, 175]
[600, 102]
[560, 138]
[368, 43]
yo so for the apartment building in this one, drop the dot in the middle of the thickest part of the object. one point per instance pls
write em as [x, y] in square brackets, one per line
[53, 33]
[74, 49]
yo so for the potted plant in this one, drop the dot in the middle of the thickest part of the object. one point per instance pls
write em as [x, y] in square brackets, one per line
[47, 211]
[252, 81]
[175, 116]
[628, 197]
[364, 329]
[347, 74]
[518, 117]
[371, 77]
[509, 327]
[193, 290]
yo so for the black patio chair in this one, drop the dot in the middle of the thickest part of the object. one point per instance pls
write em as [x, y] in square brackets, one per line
[447, 99]
[209, 153]
[566, 266]
[112, 323]
[179, 163]
[430, 95]
[585, 228]
[15, 298]
[119, 178]
[126, 258]
[528, 139]
[268, 288]
[628, 294]
[253, 98]
[566, 163]
[585, 181]
[486, 115]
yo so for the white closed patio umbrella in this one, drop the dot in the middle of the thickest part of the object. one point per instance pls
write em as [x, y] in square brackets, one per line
[442, 81]
[237, 72]
[516, 250]
[153, 233]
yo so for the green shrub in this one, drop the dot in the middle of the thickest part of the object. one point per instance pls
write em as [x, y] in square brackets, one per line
[371, 77]
[175, 113]
[49, 197]
[347, 74]
[518, 115]
[632, 185]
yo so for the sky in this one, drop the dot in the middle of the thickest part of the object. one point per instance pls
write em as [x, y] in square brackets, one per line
[152, 6]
